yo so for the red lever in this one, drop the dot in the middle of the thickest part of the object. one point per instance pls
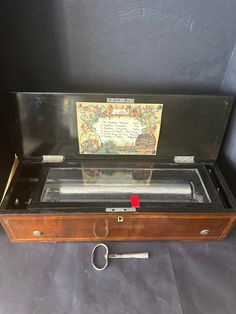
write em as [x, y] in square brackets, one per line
[134, 201]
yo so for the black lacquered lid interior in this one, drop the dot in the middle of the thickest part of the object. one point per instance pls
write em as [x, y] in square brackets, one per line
[46, 124]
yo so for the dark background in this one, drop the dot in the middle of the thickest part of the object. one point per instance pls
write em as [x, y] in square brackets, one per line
[152, 46]
[118, 46]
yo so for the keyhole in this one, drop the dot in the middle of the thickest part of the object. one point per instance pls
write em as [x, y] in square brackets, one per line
[120, 218]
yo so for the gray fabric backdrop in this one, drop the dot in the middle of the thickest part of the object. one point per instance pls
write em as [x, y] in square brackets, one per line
[156, 46]
[143, 46]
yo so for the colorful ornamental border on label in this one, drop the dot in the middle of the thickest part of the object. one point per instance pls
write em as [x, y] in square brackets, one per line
[118, 128]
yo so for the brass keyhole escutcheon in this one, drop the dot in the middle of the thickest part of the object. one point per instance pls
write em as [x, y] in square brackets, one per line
[120, 218]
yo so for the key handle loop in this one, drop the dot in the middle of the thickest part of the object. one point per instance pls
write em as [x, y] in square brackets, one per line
[105, 256]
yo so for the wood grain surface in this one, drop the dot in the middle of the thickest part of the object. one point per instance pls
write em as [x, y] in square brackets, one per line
[115, 227]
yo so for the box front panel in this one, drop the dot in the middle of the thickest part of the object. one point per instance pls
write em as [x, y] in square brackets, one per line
[116, 227]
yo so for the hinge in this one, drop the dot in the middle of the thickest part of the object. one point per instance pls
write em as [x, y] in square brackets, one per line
[53, 158]
[184, 159]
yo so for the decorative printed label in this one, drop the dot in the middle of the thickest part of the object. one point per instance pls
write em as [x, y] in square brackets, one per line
[118, 128]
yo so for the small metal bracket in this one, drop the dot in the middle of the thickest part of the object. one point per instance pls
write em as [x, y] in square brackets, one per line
[121, 100]
[184, 159]
[120, 209]
[53, 158]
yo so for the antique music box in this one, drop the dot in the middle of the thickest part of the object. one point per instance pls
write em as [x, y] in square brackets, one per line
[97, 167]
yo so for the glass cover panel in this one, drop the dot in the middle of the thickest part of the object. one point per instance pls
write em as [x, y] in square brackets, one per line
[117, 185]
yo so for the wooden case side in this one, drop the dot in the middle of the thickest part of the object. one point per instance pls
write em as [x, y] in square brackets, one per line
[11, 175]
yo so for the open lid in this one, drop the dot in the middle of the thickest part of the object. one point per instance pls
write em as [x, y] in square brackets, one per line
[46, 123]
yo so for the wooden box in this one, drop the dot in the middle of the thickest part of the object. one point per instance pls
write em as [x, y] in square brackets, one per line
[99, 167]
